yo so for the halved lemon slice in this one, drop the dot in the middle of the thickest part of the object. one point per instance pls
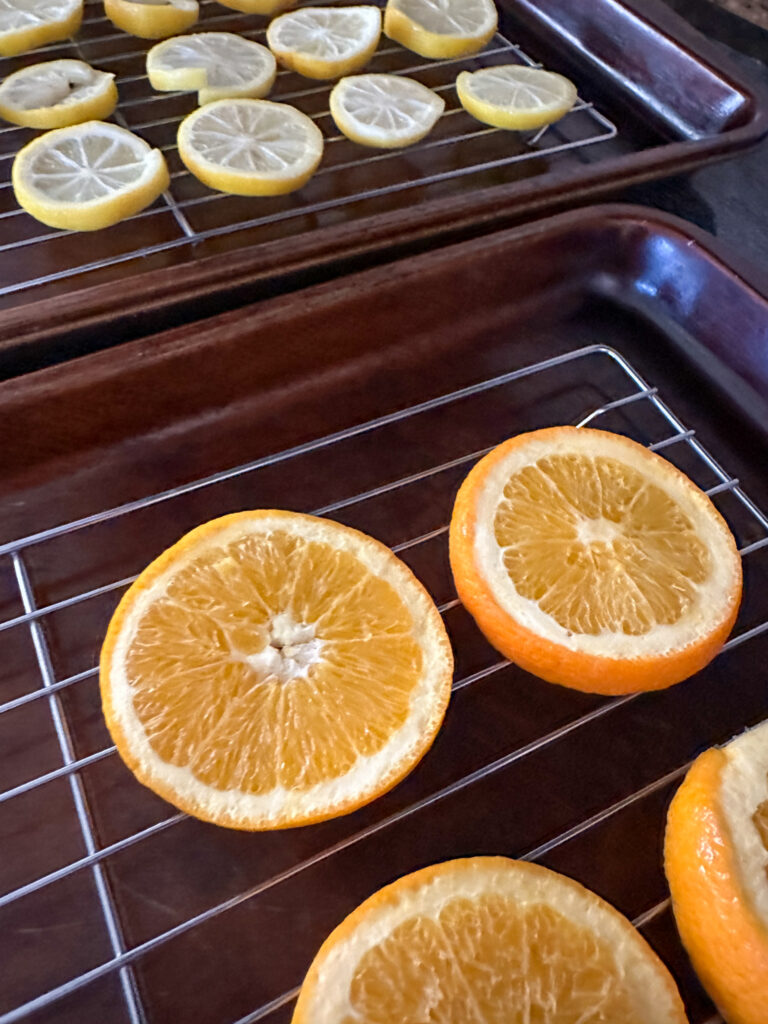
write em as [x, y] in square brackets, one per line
[27, 24]
[515, 97]
[441, 28]
[152, 19]
[487, 941]
[218, 65]
[716, 860]
[87, 176]
[250, 147]
[384, 110]
[56, 94]
[593, 562]
[325, 42]
[272, 669]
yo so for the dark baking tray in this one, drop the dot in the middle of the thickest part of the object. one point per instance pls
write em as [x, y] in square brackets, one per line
[675, 101]
[334, 400]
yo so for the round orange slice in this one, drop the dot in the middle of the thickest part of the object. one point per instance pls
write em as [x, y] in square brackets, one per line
[592, 562]
[273, 669]
[716, 860]
[487, 941]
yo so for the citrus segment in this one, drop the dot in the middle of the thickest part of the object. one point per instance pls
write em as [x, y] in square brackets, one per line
[325, 42]
[56, 94]
[441, 29]
[515, 97]
[152, 19]
[273, 669]
[592, 562]
[384, 110]
[487, 941]
[217, 65]
[27, 24]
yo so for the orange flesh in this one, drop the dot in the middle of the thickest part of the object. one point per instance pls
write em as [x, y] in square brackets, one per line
[273, 661]
[597, 546]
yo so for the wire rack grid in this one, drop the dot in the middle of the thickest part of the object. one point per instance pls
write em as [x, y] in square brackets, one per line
[635, 393]
[31, 254]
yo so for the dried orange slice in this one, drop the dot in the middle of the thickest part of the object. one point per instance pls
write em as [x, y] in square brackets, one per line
[593, 562]
[273, 669]
[487, 941]
[716, 859]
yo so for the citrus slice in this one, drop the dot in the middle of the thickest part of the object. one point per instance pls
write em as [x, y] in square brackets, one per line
[250, 147]
[487, 941]
[57, 94]
[384, 110]
[27, 24]
[257, 6]
[441, 28]
[716, 860]
[218, 65]
[515, 97]
[152, 19]
[273, 669]
[87, 176]
[593, 562]
[325, 42]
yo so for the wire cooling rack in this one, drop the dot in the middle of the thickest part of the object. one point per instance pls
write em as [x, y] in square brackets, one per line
[643, 414]
[32, 254]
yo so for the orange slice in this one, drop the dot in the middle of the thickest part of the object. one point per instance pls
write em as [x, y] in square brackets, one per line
[487, 941]
[592, 562]
[716, 859]
[273, 669]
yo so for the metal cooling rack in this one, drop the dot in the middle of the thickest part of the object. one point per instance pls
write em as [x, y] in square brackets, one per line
[199, 214]
[633, 394]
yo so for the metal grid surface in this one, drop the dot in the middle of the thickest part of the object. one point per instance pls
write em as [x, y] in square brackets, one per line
[189, 212]
[632, 396]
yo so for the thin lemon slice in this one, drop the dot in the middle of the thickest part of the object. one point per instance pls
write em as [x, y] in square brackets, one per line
[441, 28]
[56, 94]
[325, 42]
[515, 97]
[152, 19]
[88, 176]
[27, 24]
[384, 110]
[273, 669]
[250, 147]
[218, 65]
[487, 941]
[257, 6]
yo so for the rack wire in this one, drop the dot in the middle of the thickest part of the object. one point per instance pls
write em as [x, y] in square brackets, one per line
[189, 213]
[633, 394]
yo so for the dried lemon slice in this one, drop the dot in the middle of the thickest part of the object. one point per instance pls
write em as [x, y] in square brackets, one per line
[325, 42]
[88, 176]
[56, 94]
[218, 65]
[27, 24]
[384, 110]
[515, 97]
[152, 19]
[441, 28]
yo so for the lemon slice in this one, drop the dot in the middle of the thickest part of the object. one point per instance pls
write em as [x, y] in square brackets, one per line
[250, 147]
[325, 42]
[515, 97]
[56, 94]
[26, 24]
[152, 19]
[220, 65]
[441, 28]
[384, 110]
[257, 6]
[87, 176]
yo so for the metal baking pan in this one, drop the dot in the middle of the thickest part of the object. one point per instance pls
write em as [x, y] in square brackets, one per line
[366, 400]
[655, 98]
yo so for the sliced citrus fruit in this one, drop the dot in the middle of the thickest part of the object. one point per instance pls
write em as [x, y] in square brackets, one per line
[384, 110]
[250, 147]
[441, 28]
[273, 669]
[487, 940]
[325, 42]
[56, 94]
[515, 97]
[27, 24]
[152, 19]
[716, 860]
[257, 6]
[87, 176]
[217, 65]
[593, 562]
